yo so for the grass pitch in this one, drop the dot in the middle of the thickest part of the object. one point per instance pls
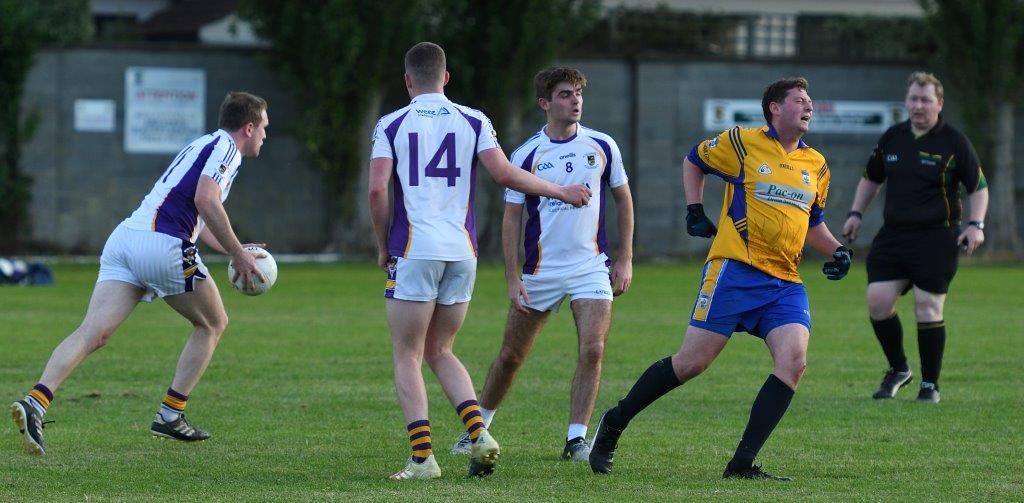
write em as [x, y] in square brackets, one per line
[300, 400]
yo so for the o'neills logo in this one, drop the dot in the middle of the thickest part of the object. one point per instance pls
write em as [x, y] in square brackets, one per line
[784, 194]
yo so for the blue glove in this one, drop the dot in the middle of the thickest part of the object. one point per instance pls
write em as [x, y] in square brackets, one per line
[840, 265]
[697, 223]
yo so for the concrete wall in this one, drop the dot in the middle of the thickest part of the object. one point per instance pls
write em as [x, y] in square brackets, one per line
[85, 183]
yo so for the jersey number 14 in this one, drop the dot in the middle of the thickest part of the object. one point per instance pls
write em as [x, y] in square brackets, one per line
[447, 150]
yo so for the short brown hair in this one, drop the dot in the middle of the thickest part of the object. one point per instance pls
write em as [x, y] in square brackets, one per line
[923, 79]
[546, 80]
[425, 63]
[776, 93]
[240, 108]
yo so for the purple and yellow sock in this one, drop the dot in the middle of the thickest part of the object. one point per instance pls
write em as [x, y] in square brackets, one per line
[39, 398]
[469, 412]
[419, 438]
[173, 405]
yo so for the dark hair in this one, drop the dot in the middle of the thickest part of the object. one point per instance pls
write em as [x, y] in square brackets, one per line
[425, 64]
[776, 93]
[546, 80]
[240, 108]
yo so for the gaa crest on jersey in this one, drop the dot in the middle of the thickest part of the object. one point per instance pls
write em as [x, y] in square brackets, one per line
[713, 143]
[222, 169]
[764, 169]
[591, 160]
[806, 176]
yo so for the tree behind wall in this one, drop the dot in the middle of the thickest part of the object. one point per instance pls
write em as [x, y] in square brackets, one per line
[981, 53]
[494, 49]
[25, 27]
[338, 57]
[334, 55]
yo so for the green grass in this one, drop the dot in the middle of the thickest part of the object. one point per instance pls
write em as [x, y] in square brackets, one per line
[302, 407]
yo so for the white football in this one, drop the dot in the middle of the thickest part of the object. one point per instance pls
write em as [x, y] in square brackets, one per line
[267, 265]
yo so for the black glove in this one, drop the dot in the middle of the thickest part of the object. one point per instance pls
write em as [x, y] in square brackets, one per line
[697, 223]
[840, 265]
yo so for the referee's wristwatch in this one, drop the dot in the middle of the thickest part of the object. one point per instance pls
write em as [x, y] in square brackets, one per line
[977, 223]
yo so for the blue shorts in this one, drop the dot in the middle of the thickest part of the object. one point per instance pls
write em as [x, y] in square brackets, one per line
[735, 297]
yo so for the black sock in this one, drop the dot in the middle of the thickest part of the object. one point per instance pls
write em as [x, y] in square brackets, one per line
[931, 340]
[769, 407]
[657, 380]
[890, 336]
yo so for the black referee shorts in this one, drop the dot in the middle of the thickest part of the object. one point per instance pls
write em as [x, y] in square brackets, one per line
[927, 257]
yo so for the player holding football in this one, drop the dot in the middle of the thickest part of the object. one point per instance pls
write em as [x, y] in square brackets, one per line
[565, 251]
[153, 253]
[427, 244]
[775, 194]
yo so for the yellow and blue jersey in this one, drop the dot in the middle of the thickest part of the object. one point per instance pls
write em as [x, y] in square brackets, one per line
[771, 198]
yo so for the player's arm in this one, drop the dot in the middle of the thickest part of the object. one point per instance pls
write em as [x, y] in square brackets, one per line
[207, 237]
[697, 223]
[622, 269]
[866, 192]
[503, 172]
[511, 233]
[380, 210]
[972, 237]
[822, 240]
[211, 209]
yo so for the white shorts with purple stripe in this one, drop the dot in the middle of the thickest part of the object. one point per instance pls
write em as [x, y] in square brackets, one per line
[449, 282]
[158, 263]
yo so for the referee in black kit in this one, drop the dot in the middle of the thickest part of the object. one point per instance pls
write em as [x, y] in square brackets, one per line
[924, 160]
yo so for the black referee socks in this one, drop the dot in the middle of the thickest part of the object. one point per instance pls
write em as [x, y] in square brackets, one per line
[890, 335]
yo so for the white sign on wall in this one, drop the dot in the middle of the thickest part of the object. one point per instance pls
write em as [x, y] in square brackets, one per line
[836, 117]
[164, 108]
[94, 116]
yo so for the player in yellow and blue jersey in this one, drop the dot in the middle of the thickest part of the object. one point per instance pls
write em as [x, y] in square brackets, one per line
[776, 187]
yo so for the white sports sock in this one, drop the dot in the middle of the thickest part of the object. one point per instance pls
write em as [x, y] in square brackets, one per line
[168, 414]
[576, 430]
[487, 414]
[36, 405]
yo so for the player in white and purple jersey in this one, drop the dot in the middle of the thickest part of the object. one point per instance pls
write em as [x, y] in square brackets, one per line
[428, 152]
[566, 250]
[153, 253]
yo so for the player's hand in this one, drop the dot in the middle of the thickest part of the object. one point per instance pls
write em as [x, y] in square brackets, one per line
[840, 264]
[851, 228]
[576, 195]
[970, 239]
[517, 295]
[697, 223]
[622, 276]
[383, 260]
[245, 267]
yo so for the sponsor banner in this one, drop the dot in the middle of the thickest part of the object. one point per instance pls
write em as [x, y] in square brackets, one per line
[833, 117]
[165, 108]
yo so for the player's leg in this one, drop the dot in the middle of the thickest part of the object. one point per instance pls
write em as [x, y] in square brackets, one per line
[408, 322]
[521, 330]
[203, 308]
[111, 303]
[593, 320]
[454, 292]
[788, 346]
[931, 340]
[700, 347]
[889, 266]
[881, 299]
